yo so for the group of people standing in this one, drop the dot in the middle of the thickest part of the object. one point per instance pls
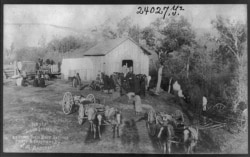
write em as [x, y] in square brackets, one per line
[39, 81]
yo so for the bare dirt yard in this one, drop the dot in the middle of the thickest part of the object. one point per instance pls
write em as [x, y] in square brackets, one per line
[33, 121]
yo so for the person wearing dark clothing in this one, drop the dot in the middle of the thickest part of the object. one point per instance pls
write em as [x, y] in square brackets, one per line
[125, 86]
[137, 85]
[105, 82]
[111, 82]
[42, 82]
[74, 82]
[39, 79]
[143, 85]
[37, 66]
[129, 79]
[78, 79]
[35, 82]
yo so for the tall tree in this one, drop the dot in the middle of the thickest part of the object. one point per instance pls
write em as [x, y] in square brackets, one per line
[165, 37]
[232, 39]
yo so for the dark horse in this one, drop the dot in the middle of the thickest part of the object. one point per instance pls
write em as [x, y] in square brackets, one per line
[165, 136]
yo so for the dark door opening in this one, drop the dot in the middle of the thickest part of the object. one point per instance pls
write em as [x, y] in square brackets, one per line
[128, 64]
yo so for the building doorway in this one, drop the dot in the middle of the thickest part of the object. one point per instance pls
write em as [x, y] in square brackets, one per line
[128, 64]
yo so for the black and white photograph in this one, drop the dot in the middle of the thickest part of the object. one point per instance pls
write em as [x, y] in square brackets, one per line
[125, 79]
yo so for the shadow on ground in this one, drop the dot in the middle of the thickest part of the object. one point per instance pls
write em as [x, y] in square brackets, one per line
[130, 136]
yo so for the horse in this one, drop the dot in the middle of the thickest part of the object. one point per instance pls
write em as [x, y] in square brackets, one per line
[97, 124]
[92, 116]
[190, 139]
[165, 136]
[151, 116]
[113, 117]
[164, 125]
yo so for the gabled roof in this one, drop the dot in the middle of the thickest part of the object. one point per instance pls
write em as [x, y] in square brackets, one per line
[107, 46]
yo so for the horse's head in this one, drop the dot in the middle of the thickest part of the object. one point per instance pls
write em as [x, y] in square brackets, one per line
[91, 113]
[151, 115]
[191, 134]
[99, 119]
[118, 116]
[190, 138]
[166, 132]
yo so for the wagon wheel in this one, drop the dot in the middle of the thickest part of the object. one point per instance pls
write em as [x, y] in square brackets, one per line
[91, 98]
[67, 103]
[219, 107]
[81, 114]
[151, 128]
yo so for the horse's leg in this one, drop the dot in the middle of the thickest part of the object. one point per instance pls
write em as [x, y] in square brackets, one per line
[185, 148]
[189, 149]
[164, 148]
[113, 131]
[99, 131]
[118, 135]
[94, 129]
[91, 127]
[169, 144]
[159, 144]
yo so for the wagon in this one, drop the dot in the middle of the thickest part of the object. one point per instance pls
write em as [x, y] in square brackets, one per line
[178, 126]
[151, 126]
[219, 116]
[70, 102]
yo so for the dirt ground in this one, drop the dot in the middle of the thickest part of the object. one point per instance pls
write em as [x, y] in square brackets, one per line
[33, 121]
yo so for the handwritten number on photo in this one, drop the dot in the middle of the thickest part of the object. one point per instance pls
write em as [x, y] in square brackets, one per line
[140, 11]
[146, 10]
[152, 10]
[166, 10]
[158, 10]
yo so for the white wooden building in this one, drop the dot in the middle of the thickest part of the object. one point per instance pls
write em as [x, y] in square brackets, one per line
[108, 57]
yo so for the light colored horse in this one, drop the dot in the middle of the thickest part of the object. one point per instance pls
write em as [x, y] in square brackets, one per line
[113, 117]
[92, 115]
[151, 116]
[190, 139]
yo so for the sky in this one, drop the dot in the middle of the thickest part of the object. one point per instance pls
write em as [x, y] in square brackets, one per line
[83, 17]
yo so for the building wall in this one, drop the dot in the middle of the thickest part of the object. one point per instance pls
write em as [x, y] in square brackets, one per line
[90, 66]
[83, 66]
[128, 50]
[98, 65]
